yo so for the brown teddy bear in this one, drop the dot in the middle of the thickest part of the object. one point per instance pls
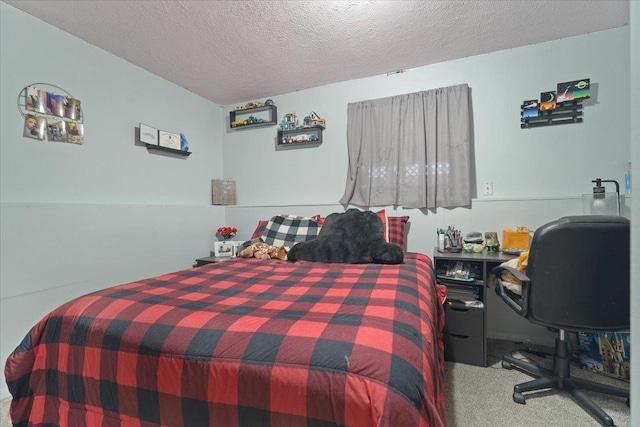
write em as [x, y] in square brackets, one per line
[264, 251]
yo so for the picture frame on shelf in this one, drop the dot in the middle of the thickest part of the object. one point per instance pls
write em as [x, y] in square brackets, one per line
[148, 135]
[225, 248]
[169, 140]
[237, 247]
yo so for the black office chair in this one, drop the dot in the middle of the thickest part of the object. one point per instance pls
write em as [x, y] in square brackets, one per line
[577, 279]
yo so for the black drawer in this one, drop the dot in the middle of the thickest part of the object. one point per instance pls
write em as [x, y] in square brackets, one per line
[464, 349]
[467, 321]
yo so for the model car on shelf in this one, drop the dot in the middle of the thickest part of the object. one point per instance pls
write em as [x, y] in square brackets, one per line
[254, 104]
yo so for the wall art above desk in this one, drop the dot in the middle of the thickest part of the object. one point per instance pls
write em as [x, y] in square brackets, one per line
[556, 107]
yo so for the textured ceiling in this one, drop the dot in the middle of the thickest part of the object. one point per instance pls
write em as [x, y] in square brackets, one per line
[237, 51]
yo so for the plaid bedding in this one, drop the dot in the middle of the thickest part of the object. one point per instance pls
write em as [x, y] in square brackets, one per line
[245, 342]
[289, 229]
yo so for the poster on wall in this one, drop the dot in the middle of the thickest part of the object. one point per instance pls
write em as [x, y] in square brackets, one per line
[34, 126]
[530, 108]
[148, 135]
[577, 89]
[169, 140]
[548, 100]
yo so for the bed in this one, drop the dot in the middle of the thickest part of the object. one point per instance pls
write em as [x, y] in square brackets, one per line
[244, 342]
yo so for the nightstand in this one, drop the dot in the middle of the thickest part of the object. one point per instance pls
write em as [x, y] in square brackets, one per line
[210, 259]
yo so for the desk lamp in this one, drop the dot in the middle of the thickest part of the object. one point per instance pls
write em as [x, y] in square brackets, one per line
[600, 202]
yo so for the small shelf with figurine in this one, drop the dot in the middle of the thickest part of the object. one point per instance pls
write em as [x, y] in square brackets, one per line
[291, 133]
[253, 114]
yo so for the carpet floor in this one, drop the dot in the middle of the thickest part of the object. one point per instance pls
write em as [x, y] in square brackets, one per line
[480, 397]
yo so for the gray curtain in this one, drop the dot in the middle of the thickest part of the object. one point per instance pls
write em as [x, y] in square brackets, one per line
[411, 150]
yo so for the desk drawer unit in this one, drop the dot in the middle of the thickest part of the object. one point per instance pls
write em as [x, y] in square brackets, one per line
[464, 335]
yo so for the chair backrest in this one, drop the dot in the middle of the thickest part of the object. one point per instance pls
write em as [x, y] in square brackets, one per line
[579, 268]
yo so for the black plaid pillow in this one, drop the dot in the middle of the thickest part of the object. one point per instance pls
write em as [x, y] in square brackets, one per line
[288, 230]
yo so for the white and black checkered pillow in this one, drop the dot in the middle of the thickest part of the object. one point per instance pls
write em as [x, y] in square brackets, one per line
[288, 230]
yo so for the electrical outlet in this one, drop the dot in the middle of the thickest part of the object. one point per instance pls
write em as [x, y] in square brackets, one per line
[487, 188]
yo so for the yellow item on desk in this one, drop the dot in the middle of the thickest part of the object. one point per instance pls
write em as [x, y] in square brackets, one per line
[519, 238]
[510, 281]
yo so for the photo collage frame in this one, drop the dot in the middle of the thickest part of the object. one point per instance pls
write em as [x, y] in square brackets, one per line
[52, 116]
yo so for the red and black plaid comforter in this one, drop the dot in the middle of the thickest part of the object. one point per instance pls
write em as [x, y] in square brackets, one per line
[245, 342]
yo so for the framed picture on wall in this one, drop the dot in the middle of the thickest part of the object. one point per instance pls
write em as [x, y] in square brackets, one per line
[148, 135]
[169, 140]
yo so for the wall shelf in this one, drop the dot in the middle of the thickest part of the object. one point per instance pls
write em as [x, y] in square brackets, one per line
[307, 137]
[247, 117]
[564, 113]
[168, 150]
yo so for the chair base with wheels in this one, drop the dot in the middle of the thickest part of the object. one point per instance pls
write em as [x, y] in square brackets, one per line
[560, 378]
[577, 279]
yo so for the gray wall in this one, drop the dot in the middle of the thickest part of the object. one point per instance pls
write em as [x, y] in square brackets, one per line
[77, 218]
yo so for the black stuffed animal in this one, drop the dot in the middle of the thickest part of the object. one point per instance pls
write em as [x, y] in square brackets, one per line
[354, 237]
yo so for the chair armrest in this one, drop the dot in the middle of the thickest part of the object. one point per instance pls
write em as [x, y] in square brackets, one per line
[518, 304]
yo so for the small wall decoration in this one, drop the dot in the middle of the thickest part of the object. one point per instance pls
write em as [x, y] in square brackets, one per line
[226, 248]
[578, 89]
[51, 112]
[223, 192]
[548, 100]
[556, 107]
[169, 140]
[161, 140]
[530, 109]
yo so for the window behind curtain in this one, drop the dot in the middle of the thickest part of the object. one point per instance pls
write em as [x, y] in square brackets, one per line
[411, 150]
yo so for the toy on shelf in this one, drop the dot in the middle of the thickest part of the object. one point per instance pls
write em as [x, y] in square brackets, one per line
[251, 120]
[289, 122]
[313, 120]
[254, 104]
